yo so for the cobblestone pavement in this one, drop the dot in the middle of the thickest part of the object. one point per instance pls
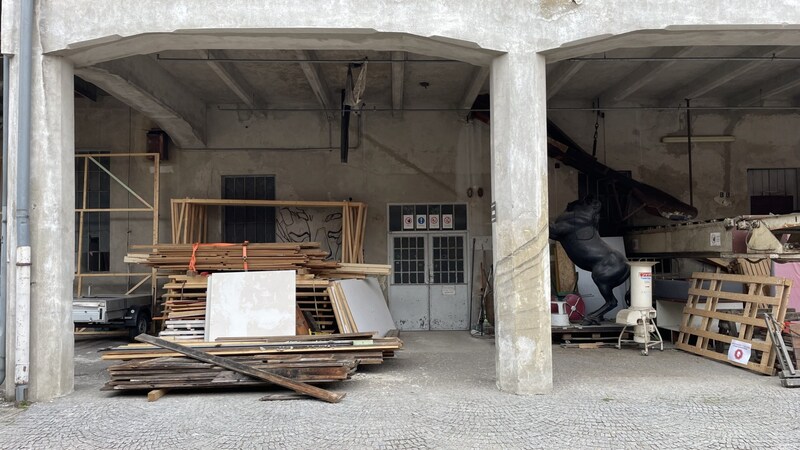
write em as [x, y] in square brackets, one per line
[438, 393]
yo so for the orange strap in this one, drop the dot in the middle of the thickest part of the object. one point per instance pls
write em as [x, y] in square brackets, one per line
[197, 245]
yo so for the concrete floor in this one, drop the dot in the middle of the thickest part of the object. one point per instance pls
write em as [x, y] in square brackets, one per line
[438, 393]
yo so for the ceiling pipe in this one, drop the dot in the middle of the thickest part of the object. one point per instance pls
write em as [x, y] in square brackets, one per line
[315, 60]
[4, 201]
[679, 108]
[22, 313]
[685, 58]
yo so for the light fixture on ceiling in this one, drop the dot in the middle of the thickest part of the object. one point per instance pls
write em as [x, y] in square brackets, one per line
[684, 139]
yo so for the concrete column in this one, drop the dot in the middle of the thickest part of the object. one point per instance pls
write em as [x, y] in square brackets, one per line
[520, 228]
[52, 223]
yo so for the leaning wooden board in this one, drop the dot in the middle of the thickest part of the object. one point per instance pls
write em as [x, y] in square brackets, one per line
[708, 290]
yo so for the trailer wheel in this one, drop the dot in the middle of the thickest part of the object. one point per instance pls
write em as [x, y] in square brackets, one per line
[142, 325]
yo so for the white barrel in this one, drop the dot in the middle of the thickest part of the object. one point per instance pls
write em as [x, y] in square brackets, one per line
[641, 284]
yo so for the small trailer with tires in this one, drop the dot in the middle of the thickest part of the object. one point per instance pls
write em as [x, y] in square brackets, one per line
[114, 311]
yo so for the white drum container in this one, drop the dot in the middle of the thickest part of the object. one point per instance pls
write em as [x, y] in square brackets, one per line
[641, 284]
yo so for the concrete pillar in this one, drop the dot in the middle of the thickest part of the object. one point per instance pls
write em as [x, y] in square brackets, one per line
[52, 223]
[520, 224]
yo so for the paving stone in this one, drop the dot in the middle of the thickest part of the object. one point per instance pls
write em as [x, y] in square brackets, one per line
[438, 393]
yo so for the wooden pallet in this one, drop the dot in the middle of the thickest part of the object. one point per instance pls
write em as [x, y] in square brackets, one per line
[707, 292]
[603, 332]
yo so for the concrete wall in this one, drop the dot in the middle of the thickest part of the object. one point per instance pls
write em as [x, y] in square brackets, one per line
[631, 140]
[417, 158]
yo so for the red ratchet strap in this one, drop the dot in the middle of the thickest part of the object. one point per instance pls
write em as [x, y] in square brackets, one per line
[197, 245]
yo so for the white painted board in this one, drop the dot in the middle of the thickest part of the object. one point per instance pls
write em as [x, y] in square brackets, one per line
[241, 304]
[588, 289]
[368, 306]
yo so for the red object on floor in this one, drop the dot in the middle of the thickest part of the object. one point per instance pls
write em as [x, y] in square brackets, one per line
[576, 307]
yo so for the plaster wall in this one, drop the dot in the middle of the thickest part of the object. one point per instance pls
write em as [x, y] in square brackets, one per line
[631, 140]
[421, 157]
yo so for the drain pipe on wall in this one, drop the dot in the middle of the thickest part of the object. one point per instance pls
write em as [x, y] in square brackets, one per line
[22, 316]
[3, 194]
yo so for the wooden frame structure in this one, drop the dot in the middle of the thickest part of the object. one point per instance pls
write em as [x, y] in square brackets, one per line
[707, 291]
[151, 207]
[190, 220]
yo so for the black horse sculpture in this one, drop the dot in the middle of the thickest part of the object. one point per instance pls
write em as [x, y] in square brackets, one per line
[576, 230]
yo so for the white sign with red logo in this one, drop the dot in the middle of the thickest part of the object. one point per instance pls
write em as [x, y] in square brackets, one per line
[408, 221]
[739, 352]
[646, 278]
[433, 221]
[447, 221]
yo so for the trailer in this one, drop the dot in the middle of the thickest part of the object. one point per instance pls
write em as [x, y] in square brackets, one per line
[114, 311]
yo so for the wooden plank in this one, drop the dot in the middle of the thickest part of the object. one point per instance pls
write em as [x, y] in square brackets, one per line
[723, 316]
[756, 345]
[735, 296]
[156, 394]
[738, 278]
[296, 386]
[768, 370]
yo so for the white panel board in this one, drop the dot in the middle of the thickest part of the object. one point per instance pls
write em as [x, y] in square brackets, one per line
[368, 305]
[251, 304]
[588, 289]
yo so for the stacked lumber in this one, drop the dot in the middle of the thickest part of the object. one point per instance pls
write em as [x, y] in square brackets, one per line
[190, 220]
[341, 309]
[234, 257]
[184, 307]
[314, 303]
[307, 359]
[357, 271]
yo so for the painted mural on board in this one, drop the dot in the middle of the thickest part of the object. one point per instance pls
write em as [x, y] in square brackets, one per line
[323, 225]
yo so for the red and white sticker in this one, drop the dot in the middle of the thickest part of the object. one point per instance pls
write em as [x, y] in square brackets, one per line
[433, 221]
[408, 222]
[447, 221]
[739, 352]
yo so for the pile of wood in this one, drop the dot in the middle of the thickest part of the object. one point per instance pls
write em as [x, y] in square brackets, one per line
[161, 365]
[184, 307]
[305, 257]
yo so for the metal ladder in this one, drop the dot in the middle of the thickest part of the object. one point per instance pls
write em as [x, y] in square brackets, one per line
[789, 376]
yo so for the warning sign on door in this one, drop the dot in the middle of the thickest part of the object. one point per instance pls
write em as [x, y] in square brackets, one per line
[422, 221]
[739, 352]
[408, 222]
[433, 221]
[447, 221]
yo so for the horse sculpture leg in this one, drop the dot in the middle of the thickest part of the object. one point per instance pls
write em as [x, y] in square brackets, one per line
[607, 291]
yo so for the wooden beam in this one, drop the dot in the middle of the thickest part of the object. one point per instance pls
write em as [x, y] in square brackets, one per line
[317, 82]
[398, 88]
[227, 363]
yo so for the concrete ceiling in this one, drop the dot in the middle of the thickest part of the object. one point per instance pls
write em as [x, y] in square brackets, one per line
[174, 86]
[729, 76]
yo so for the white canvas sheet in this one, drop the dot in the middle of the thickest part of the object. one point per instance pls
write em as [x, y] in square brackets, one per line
[241, 304]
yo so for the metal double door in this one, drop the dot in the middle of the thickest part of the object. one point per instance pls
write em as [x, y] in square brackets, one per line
[429, 289]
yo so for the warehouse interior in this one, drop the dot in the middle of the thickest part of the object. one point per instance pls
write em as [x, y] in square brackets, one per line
[419, 137]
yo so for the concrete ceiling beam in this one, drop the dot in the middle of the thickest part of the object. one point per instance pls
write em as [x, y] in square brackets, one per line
[562, 75]
[145, 86]
[317, 82]
[723, 73]
[234, 80]
[479, 77]
[398, 82]
[784, 82]
[642, 75]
